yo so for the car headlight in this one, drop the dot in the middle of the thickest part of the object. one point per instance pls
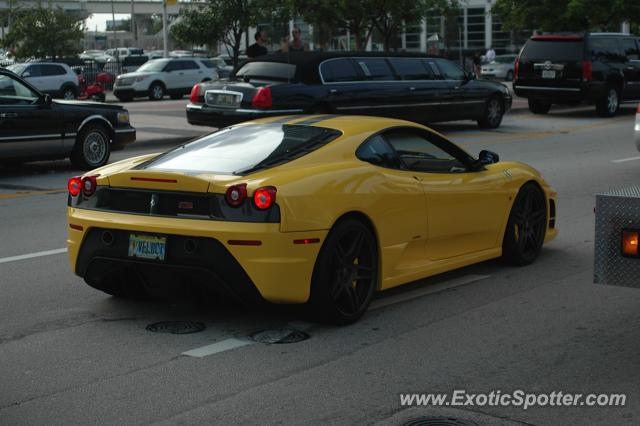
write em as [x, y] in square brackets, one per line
[141, 78]
[123, 117]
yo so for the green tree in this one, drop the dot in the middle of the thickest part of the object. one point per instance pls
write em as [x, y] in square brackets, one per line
[39, 32]
[566, 15]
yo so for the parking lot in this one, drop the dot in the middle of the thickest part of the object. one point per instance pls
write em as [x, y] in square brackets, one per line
[71, 354]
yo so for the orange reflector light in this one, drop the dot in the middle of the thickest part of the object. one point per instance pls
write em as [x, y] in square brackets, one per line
[76, 227]
[244, 242]
[307, 241]
[630, 243]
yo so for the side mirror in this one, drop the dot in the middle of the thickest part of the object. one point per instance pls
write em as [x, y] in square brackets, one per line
[488, 157]
[470, 75]
[47, 99]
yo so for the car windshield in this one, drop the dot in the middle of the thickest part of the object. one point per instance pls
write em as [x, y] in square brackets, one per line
[17, 68]
[155, 65]
[504, 59]
[244, 149]
[267, 71]
[553, 50]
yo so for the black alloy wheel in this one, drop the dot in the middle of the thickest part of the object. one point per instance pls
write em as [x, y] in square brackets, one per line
[526, 227]
[346, 274]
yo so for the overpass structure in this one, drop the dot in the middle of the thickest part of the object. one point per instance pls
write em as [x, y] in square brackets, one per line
[143, 7]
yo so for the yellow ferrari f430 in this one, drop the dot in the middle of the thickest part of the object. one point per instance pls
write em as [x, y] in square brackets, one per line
[323, 210]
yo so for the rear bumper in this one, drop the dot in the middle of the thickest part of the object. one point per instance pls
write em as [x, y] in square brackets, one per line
[203, 115]
[584, 92]
[277, 270]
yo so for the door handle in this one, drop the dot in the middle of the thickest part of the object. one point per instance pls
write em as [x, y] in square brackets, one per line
[8, 115]
[333, 91]
[411, 89]
[631, 68]
[456, 87]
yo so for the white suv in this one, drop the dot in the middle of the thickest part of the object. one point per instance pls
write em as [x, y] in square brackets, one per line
[167, 76]
[53, 78]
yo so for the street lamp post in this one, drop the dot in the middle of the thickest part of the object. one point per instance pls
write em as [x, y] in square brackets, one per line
[165, 35]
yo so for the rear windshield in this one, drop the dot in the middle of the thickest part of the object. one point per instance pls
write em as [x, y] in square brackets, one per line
[267, 71]
[553, 50]
[244, 149]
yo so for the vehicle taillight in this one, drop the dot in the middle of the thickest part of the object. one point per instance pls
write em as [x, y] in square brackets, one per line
[89, 185]
[236, 194]
[516, 68]
[638, 109]
[587, 71]
[75, 186]
[262, 98]
[264, 197]
[195, 94]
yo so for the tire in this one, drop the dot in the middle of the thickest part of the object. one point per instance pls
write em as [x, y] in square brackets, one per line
[345, 275]
[69, 93]
[539, 107]
[492, 115]
[526, 226]
[509, 76]
[608, 106]
[176, 96]
[92, 147]
[156, 91]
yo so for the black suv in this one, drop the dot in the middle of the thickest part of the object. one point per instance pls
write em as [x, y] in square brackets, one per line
[600, 68]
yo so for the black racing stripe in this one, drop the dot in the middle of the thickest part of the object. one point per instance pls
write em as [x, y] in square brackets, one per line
[285, 119]
[315, 120]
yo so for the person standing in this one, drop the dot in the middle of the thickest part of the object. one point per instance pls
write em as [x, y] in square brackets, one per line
[477, 61]
[258, 48]
[296, 44]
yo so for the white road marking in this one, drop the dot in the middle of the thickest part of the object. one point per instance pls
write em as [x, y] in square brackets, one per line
[403, 297]
[214, 348]
[624, 160]
[32, 255]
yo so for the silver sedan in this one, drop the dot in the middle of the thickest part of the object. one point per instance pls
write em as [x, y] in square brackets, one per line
[502, 67]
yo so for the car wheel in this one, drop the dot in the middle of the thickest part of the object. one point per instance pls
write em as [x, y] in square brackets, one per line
[526, 226]
[156, 92]
[609, 104]
[345, 274]
[176, 96]
[539, 107]
[92, 148]
[509, 76]
[69, 93]
[492, 116]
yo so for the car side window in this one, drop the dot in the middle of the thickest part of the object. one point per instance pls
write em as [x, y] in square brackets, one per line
[52, 70]
[33, 71]
[449, 70]
[189, 65]
[630, 49]
[605, 49]
[207, 63]
[12, 92]
[412, 69]
[171, 66]
[431, 65]
[419, 154]
[378, 152]
[339, 70]
[375, 69]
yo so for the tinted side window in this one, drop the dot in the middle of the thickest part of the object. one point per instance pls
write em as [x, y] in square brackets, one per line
[207, 63]
[431, 65]
[34, 71]
[172, 66]
[338, 70]
[375, 69]
[378, 152]
[449, 70]
[630, 49]
[50, 70]
[605, 49]
[419, 154]
[411, 69]
[189, 65]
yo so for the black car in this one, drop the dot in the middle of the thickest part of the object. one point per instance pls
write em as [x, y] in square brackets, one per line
[600, 68]
[34, 127]
[404, 86]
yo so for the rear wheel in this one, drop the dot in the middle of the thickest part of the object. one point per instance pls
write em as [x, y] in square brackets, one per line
[69, 93]
[346, 274]
[493, 113]
[539, 107]
[92, 147]
[526, 227]
[609, 104]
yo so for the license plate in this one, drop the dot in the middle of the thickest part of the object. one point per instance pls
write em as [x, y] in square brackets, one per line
[548, 74]
[147, 246]
[222, 99]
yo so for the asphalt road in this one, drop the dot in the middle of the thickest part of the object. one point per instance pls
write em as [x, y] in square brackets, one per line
[72, 355]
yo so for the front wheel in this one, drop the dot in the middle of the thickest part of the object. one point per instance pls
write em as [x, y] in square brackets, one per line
[608, 105]
[345, 275]
[92, 148]
[539, 107]
[69, 93]
[492, 116]
[526, 226]
[156, 92]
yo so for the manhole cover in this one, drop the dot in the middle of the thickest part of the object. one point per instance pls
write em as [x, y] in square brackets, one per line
[176, 327]
[279, 336]
[439, 421]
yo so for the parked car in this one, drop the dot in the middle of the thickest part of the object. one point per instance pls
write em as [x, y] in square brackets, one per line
[56, 79]
[121, 52]
[402, 85]
[503, 67]
[600, 68]
[95, 55]
[34, 127]
[221, 67]
[159, 77]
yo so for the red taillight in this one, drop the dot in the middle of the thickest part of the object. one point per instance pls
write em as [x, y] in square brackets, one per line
[638, 109]
[516, 68]
[236, 194]
[74, 186]
[89, 185]
[264, 197]
[262, 98]
[587, 71]
[195, 94]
